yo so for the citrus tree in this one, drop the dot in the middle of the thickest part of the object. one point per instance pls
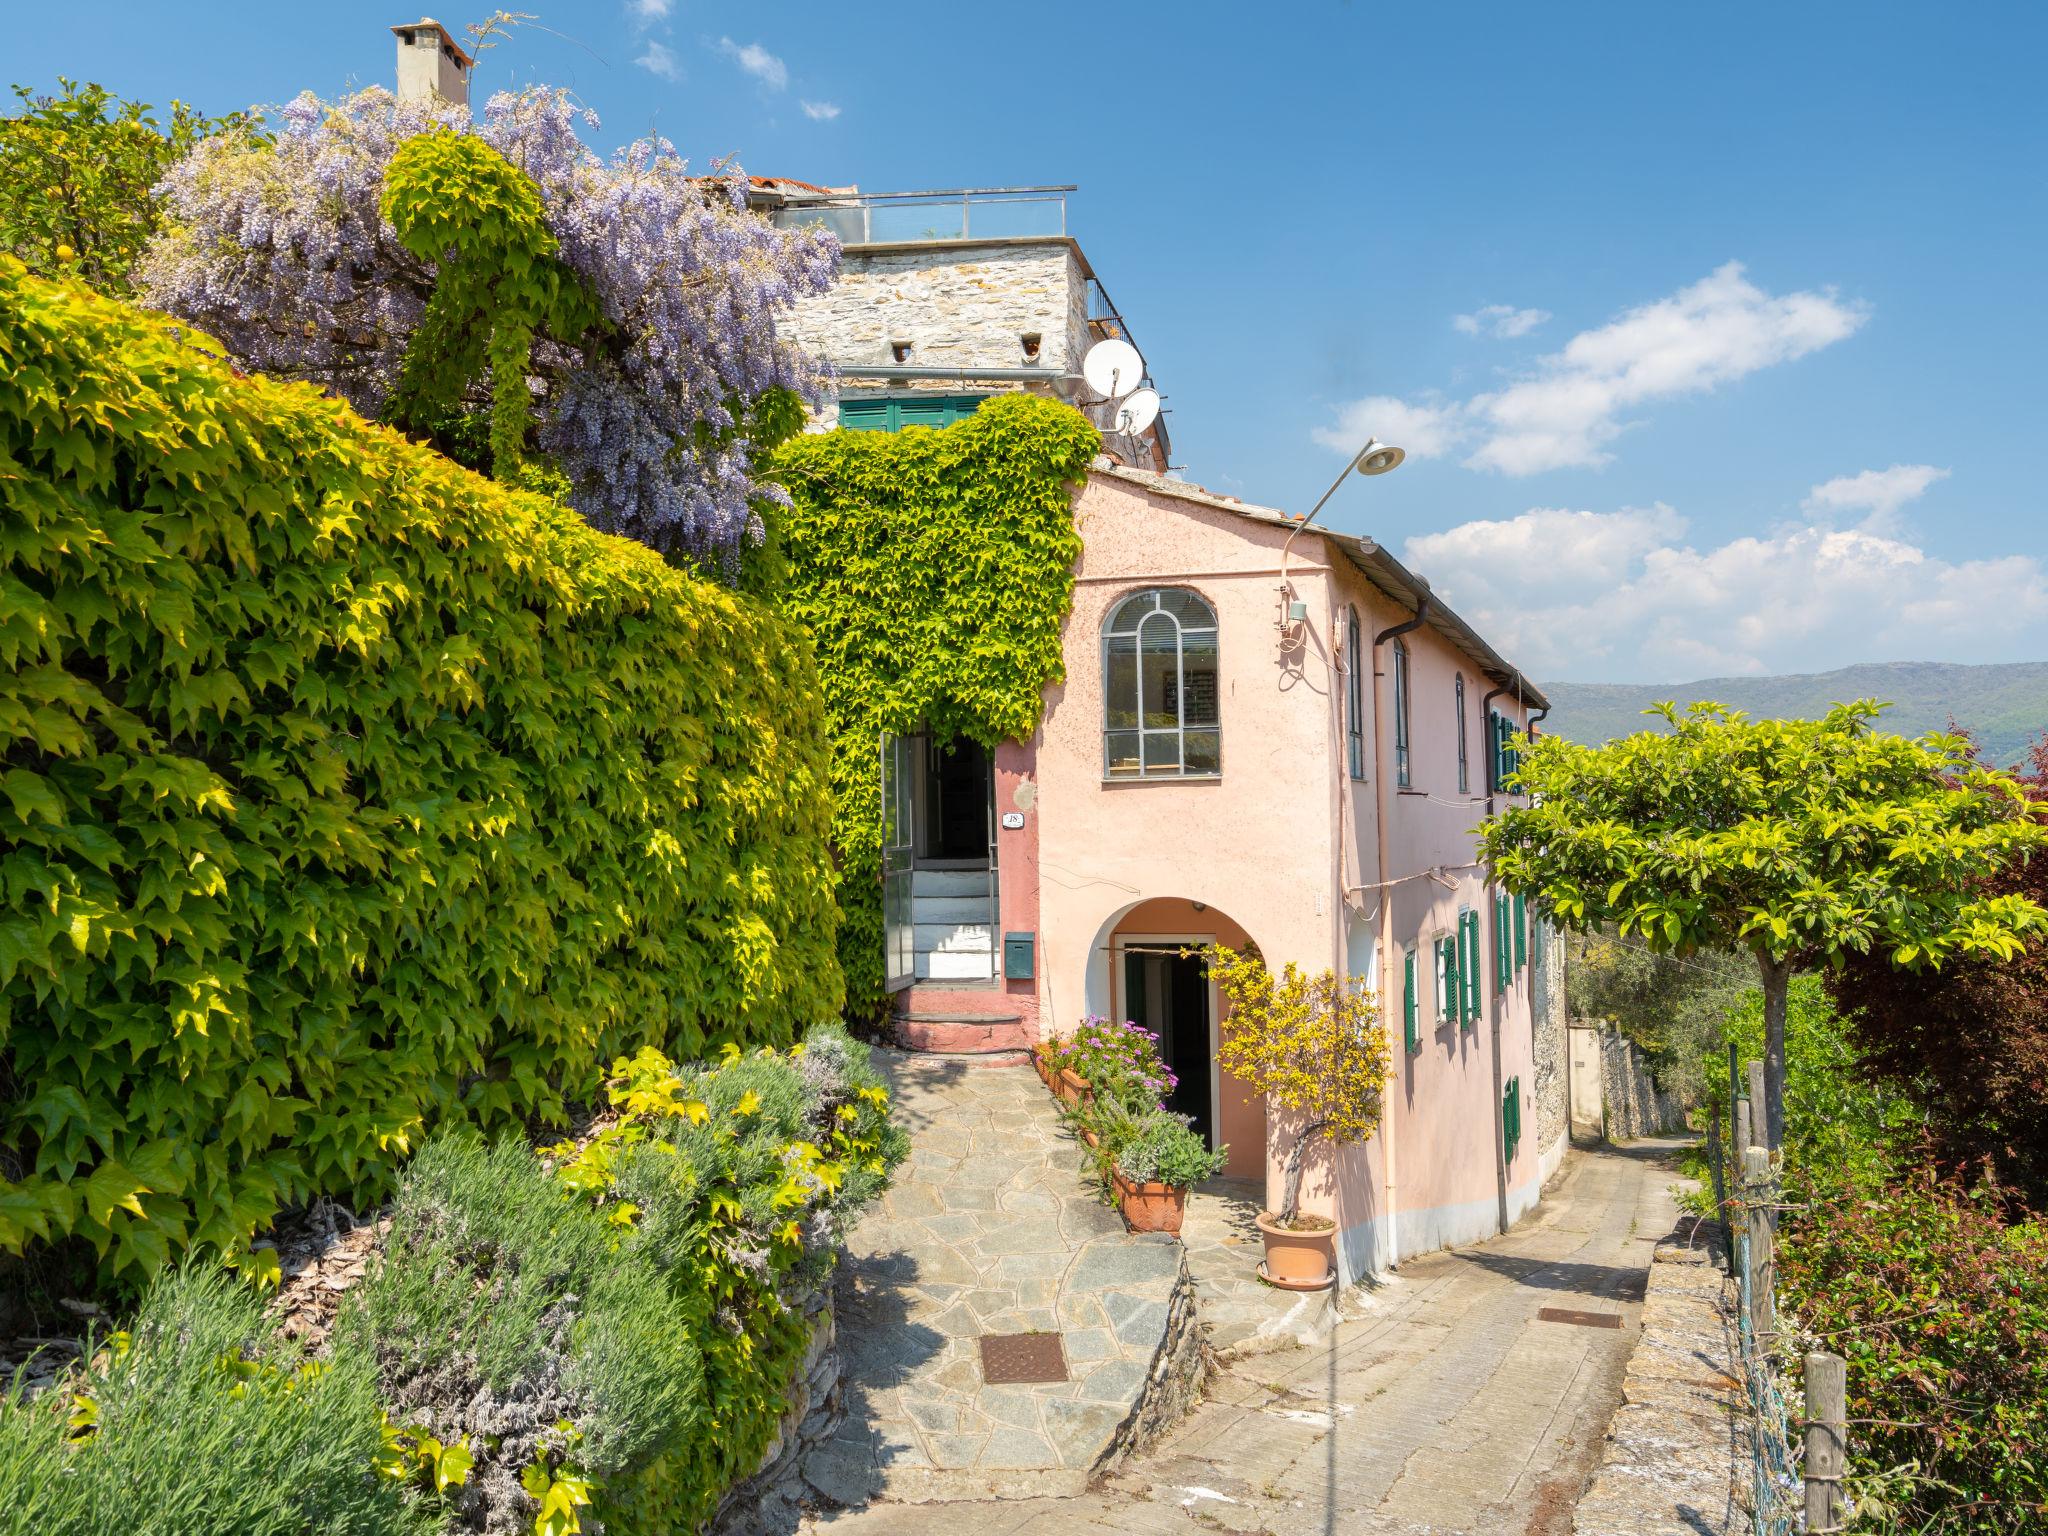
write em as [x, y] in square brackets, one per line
[1798, 841]
[1310, 1044]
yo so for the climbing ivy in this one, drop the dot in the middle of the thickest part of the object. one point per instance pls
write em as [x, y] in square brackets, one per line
[458, 203]
[934, 569]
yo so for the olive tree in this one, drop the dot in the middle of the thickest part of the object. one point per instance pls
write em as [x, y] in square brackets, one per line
[1798, 841]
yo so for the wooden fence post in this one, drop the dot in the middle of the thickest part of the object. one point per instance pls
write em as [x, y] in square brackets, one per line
[1715, 1168]
[1827, 1383]
[1757, 1194]
[1759, 1111]
[1742, 1134]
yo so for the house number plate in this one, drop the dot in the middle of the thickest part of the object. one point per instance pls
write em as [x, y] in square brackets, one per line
[1012, 820]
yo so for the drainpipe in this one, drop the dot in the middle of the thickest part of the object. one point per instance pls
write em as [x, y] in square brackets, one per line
[1382, 803]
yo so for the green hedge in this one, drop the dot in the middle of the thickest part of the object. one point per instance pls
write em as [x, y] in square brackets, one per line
[934, 569]
[344, 791]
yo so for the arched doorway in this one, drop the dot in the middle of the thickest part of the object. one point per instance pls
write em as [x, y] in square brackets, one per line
[1158, 980]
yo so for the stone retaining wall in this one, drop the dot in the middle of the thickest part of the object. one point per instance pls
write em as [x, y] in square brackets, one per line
[1176, 1377]
[769, 1502]
[1632, 1103]
[1677, 1449]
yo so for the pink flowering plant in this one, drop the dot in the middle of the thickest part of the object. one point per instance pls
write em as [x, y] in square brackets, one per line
[1121, 1062]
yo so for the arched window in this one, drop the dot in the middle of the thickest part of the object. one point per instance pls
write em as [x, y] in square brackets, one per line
[1159, 704]
[1401, 775]
[1464, 772]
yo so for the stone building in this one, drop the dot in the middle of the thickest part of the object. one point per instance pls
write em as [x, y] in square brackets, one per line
[944, 298]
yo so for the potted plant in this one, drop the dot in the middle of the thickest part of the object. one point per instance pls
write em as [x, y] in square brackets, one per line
[1312, 1047]
[1115, 1061]
[1154, 1168]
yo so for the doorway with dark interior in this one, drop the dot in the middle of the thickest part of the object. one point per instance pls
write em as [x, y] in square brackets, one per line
[958, 798]
[1168, 992]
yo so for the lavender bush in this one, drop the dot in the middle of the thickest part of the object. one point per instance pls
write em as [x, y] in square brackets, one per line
[274, 245]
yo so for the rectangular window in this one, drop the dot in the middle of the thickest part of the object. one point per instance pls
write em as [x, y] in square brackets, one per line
[1354, 655]
[1446, 979]
[1411, 1005]
[1503, 944]
[1511, 1118]
[1401, 714]
[1521, 919]
[1464, 769]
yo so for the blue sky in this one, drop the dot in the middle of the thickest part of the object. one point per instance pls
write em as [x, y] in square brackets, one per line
[1748, 374]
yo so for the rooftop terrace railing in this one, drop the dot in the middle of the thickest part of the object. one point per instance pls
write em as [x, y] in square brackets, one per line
[966, 213]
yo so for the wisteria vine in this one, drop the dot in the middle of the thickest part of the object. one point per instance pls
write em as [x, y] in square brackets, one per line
[275, 246]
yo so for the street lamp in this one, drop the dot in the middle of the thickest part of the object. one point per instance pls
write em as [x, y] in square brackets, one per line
[1375, 458]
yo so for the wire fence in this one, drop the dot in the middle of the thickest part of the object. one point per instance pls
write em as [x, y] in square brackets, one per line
[1790, 1492]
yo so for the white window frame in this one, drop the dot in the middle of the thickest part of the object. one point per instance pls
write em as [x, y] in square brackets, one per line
[1180, 729]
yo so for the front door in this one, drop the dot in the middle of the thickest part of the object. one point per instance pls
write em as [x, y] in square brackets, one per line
[1168, 993]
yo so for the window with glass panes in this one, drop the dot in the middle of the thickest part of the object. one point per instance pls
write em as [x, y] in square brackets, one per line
[1464, 758]
[1401, 714]
[1160, 687]
[1354, 697]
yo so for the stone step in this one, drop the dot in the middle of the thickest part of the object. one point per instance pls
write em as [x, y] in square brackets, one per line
[956, 938]
[945, 965]
[926, 910]
[949, 882]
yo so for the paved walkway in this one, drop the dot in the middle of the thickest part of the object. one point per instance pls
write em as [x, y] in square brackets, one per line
[988, 1229]
[1241, 1314]
[1451, 1407]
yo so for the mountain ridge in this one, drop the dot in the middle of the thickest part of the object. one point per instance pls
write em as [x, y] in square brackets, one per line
[2003, 704]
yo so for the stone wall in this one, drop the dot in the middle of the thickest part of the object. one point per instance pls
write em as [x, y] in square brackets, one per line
[954, 302]
[769, 1503]
[1176, 1377]
[1677, 1449]
[1632, 1102]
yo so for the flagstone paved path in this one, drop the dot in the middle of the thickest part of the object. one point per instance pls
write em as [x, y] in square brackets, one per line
[989, 1229]
[1449, 1407]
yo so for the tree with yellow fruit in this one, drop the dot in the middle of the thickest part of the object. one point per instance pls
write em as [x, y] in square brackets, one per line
[1311, 1045]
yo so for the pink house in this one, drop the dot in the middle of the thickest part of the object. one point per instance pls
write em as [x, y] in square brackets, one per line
[1266, 736]
[1269, 734]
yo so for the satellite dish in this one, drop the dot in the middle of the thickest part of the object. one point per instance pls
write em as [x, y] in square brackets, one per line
[1138, 411]
[1113, 368]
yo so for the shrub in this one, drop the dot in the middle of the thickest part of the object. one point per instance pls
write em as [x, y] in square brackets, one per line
[616, 1326]
[1164, 1148]
[344, 791]
[203, 1424]
[1941, 1312]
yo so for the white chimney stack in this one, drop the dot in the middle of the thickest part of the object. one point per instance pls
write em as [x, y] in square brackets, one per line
[431, 64]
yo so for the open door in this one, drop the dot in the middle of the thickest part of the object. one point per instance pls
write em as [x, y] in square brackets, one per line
[899, 838]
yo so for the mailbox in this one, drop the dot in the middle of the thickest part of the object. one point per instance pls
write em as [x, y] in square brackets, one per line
[1020, 956]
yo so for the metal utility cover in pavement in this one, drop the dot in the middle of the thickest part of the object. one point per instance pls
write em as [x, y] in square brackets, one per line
[1009, 1359]
[1580, 1319]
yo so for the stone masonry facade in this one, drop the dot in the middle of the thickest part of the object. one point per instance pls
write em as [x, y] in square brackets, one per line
[954, 302]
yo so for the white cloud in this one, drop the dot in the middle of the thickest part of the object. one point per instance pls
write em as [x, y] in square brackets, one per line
[1621, 595]
[1500, 320]
[1567, 409]
[758, 62]
[1426, 429]
[1877, 493]
[659, 59]
[646, 12]
[821, 111]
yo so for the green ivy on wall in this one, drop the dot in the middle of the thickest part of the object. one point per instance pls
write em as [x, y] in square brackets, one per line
[934, 569]
[343, 792]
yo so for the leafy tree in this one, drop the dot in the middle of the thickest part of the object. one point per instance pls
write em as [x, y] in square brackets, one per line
[78, 176]
[1801, 842]
[1310, 1044]
[1969, 1043]
[408, 279]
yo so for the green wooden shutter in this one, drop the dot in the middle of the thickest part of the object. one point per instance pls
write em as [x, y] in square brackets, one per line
[1501, 951]
[1521, 932]
[1468, 962]
[1446, 980]
[867, 415]
[1411, 1004]
[892, 412]
[1511, 1117]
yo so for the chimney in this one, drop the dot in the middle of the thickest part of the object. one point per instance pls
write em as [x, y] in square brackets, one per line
[431, 64]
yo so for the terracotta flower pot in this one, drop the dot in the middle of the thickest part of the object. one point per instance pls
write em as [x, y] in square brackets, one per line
[1044, 1069]
[1152, 1207]
[1298, 1261]
[1091, 1138]
[1073, 1086]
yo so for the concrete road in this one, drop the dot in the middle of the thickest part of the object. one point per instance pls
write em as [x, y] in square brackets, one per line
[1451, 1407]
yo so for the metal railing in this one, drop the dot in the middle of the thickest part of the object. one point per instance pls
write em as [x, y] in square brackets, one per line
[964, 213]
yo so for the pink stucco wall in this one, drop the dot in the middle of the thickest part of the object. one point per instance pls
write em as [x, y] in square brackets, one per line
[1285, 847]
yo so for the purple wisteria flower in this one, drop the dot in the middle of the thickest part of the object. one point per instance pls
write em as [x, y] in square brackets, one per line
[275, 246]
